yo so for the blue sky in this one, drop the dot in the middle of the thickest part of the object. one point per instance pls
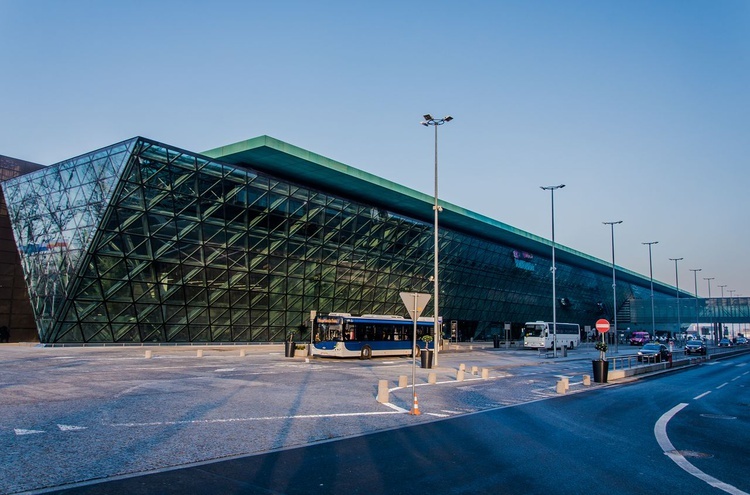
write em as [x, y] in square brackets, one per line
[640, 107]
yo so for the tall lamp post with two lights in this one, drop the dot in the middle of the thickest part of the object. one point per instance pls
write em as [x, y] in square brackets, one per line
[695, 276]
[614, 283]
[677, 283]
[430, 121]
[651, 275]
[551, 189]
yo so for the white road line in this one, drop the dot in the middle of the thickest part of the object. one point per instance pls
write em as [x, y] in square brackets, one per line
[20, 431]
[735, 378]
[438, 415]
[701, 395]
[266, 418]
[660, 432]
[71, 428]
[722, 385]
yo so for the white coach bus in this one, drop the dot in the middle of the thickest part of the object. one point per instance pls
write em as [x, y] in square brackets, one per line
[540, 335]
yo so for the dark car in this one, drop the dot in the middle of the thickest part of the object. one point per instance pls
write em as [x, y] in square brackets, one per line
[653, 353]
[725, 343]
[741, 341]
[695, 347]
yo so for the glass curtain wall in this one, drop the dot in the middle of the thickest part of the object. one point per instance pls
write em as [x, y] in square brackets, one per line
[142, 242]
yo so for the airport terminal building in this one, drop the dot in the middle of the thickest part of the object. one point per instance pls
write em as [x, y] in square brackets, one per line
[141, 242]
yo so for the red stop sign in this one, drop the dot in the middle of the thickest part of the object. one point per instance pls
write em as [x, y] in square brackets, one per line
[602, 326]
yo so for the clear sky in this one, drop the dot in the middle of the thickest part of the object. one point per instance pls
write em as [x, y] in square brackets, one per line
[641, 107]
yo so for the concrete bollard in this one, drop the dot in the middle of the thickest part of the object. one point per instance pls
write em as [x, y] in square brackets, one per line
[566, 382]
[561, 388]
[199, 353]
[586, 380]
[485, 373]
[383, 394]
[402, 381]
[242, 352]
[432, 378]
[462, 367]
[474, 370]
[460, 375]
[148, 354]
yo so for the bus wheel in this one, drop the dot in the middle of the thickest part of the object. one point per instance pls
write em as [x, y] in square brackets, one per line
[365, 353]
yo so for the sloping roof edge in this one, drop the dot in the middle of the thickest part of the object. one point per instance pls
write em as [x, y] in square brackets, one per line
[296, 164]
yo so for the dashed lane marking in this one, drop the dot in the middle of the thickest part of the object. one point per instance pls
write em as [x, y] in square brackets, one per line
[20, 431]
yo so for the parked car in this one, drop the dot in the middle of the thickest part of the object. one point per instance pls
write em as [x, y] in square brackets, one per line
[725, 343]
[640, 338]
[695, 346]
[741, 341]
[653, 353]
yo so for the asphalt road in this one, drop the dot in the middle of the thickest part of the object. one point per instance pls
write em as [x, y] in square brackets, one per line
[107, 415]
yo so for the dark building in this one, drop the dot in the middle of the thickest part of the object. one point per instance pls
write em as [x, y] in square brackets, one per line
[144, 242]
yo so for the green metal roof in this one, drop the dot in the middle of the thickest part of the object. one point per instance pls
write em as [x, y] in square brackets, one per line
[295, 164]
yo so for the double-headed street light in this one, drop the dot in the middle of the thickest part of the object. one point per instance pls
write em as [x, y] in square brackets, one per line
[551, 189]
[695, 276]
[708, 279]
[677, 284]
[430, 121]
[614, 284]
[651, 275]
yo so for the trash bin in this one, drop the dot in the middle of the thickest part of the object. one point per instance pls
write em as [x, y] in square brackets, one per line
[564, 351]
[601, 369]
[426, 358]
[289, 348]
[496, 341]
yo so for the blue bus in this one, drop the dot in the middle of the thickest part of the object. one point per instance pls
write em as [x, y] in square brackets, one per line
[344, 335]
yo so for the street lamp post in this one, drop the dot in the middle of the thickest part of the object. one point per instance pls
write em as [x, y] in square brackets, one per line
[721, 312]
[677, 284]
[551, 189]
[614, 283]
[731, 306]
[695, 275]
[430, 121]
[651, 275]
[708, 279]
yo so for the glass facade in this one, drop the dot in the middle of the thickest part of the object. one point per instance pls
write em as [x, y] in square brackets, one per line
[15, 308]
[142, 242]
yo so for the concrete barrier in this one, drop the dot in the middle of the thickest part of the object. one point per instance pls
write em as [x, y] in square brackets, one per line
[402, 381]
[462, 367]
[199, 353]
[460, 375]
[561, 387]
[474, 370]
[587, 379]
[242, 352]
[148, 354]
[383, 393]
[485, 373]
[432, 378]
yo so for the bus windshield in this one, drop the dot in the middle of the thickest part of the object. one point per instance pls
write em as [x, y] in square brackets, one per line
[533, 330]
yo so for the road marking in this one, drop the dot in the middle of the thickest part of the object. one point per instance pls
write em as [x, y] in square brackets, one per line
[438, 415]
[722, 385]
[19, 432]
[220, 370]
[735, 378]
[660, 432]
[702, 395]
[262, 418]
[71, 428]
